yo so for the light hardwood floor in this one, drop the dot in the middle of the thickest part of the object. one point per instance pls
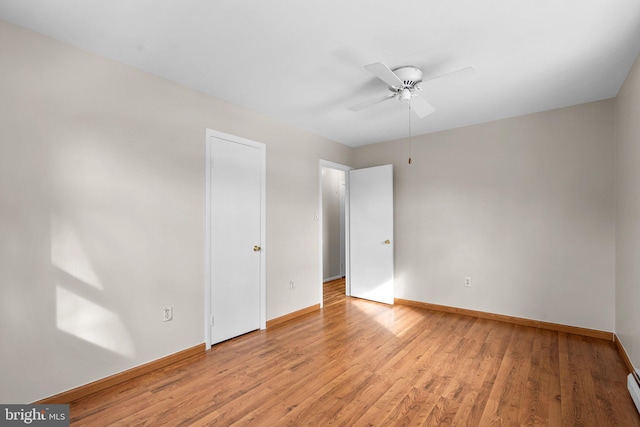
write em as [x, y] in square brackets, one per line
[359, 363]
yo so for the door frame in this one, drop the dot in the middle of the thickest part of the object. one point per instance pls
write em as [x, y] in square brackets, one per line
[210, 133]
[345, 169]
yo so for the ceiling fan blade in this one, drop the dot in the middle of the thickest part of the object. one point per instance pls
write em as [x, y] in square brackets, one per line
[420, 106]
[384, 73]
[369, 103]
[458, 76]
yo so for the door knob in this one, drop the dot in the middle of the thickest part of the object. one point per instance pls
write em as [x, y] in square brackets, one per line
[257, 248]
[387, 242]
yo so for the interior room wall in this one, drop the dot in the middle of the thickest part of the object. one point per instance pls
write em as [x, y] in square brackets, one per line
[628, 215]
[524, 206]
[102, 214]
[332, 180]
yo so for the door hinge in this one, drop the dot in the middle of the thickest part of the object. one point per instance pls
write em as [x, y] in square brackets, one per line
[211, 320]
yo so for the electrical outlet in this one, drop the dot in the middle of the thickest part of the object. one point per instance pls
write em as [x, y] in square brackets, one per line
[467, 282]
[292, 285]
[167, 314]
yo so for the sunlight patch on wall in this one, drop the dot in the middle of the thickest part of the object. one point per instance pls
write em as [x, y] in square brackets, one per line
[68, 254]
[93, 323]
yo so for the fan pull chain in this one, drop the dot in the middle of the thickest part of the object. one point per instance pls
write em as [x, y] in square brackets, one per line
[410, 136]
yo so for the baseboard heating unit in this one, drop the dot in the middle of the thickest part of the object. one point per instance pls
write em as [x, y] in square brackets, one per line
[634, 390]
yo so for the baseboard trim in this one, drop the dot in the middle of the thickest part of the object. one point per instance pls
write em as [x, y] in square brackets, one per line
[623, 353]
[594, 333]
[278, 320]
[104, 383]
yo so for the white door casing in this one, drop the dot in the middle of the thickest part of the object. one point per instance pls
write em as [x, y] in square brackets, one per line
[235, 227]
[371, 233]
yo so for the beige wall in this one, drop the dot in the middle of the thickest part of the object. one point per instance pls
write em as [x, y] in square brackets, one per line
[524, 206]
[102, 212]
[628, 215]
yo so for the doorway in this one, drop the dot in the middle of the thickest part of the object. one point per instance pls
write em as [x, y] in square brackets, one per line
[333, 224]
[333, 230]
[370, 232]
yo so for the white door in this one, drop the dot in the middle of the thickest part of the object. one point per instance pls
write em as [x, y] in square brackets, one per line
[236, 230]
[371, 233]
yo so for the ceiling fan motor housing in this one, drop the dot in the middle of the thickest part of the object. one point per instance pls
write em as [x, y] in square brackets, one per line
[410, 76]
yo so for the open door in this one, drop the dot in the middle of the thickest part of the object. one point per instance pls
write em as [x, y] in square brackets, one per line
[371, 233]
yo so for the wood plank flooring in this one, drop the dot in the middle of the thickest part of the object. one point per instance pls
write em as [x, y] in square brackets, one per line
[334, 292]
[359, 363]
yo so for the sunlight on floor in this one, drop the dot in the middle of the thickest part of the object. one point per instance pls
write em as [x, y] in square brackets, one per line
[385, 318]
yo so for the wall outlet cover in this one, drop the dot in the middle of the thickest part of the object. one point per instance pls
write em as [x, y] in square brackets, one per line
[167, 314]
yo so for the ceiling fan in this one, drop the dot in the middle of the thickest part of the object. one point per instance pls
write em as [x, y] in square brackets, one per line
[405, 83]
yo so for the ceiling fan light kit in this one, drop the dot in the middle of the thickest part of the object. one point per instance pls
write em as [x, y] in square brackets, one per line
[405, 95]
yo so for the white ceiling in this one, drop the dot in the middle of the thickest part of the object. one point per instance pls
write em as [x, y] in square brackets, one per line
[301, 62]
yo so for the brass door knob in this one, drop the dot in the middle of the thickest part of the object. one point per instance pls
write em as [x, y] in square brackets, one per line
[387, 242]
[257, 248]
